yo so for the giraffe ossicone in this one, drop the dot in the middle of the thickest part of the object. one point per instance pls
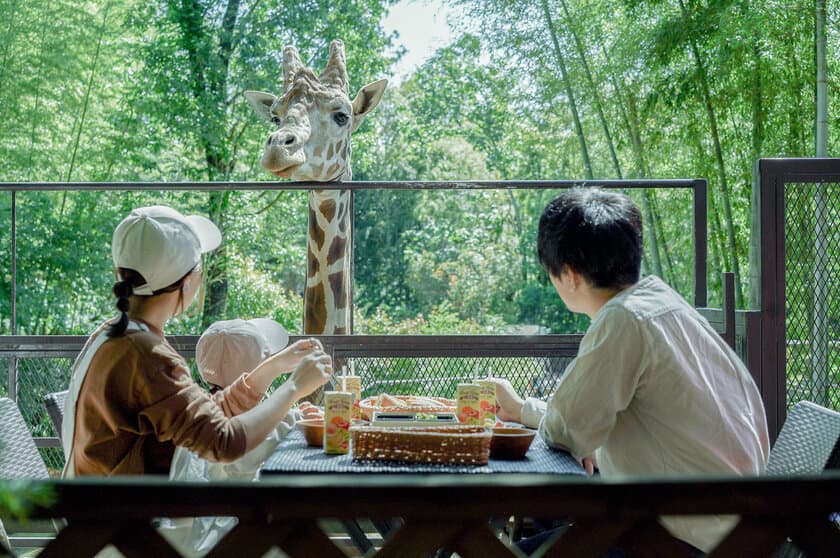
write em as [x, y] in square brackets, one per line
[313, 118]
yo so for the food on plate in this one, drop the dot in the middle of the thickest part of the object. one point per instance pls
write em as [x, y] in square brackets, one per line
[413, 403]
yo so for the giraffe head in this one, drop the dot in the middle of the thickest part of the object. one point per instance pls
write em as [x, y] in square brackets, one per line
[314, 118]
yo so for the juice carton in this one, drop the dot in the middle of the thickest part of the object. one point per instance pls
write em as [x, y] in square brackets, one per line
[338, 408]
[353, 384]
[468, 403]
[487, 402]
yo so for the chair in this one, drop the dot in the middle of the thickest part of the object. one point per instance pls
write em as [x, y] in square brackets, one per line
[19, 459]
[55, 409]
[809, 441]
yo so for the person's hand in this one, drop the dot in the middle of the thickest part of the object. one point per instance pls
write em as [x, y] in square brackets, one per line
[508, 403]
[294, 353]
[588, 463]
[287, 360]
[303, 347]
[313, 371]
[310, 411]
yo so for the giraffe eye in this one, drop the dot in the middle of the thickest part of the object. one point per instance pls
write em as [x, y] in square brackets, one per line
[340, 118]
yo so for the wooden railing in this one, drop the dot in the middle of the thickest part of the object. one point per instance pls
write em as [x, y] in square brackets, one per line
[445, 511]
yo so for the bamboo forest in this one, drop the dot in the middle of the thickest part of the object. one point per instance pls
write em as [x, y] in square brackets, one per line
[129, 91]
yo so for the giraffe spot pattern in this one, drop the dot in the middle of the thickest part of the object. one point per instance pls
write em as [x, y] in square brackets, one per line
[342, 213]
[327, 209]
[316, 309]
[314, 265]
[333, 169]
[339, 292]
[315, 232]
[336, 250]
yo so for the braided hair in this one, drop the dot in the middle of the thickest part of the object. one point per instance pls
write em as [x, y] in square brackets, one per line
[124, 288]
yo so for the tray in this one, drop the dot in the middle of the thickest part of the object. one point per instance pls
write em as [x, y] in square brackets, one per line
[405, 404]
[469, 445]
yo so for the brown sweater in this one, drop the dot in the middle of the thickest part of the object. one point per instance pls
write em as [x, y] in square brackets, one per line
[138, 401]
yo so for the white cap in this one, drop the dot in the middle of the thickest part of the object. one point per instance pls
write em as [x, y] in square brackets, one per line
[162, 245]
[229, 348]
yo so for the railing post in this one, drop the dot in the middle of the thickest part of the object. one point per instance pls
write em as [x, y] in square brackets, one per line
[13, 361]
[729, 309]
[771, 263]
[701, 209]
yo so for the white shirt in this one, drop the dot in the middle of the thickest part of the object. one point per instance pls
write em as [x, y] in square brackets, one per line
[196, 537]
[654, 390]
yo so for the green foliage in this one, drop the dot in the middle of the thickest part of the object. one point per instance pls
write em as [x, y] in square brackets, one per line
[19, 497]
[120, 90]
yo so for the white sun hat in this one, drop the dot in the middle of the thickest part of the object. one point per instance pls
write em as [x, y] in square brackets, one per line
[229, 348]
[162, 245]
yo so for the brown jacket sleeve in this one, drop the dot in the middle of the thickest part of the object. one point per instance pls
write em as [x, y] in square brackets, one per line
[176, 409]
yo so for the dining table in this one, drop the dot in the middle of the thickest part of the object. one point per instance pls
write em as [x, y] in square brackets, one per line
[295, 456]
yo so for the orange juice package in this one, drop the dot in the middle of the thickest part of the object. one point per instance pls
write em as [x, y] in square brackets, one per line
[468, 403]
[338, 409]
[353, 384]
[487, 402]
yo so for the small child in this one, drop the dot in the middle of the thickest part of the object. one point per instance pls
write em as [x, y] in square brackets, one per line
[225, 351]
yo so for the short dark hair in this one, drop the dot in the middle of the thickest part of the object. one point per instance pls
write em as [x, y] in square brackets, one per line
[595, 232]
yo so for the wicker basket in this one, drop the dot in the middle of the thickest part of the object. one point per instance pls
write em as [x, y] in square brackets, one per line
[368, 405]
[432, 444]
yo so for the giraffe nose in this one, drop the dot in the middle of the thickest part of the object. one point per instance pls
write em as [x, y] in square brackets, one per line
[281, 139]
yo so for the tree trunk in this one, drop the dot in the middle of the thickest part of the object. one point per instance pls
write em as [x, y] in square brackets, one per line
[755, 155]
[593, 90]
[715, 235]
[564, 74]
[48, 270]
[642, 172]
[820, 337]
[724, 186]
[216, 276]
[208, 81]
[87, 95]
[796, 134]
[630, 118]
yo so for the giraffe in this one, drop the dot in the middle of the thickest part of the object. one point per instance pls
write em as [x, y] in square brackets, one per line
[314, 118]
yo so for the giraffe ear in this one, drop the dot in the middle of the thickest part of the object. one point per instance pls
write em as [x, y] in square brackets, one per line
[261, 102]
[366, 99]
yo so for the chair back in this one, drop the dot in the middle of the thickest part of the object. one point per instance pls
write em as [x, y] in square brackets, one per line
[55, 409]
[809, 441]
[19, 458]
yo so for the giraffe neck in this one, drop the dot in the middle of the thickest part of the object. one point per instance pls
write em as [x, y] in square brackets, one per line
[329, 256]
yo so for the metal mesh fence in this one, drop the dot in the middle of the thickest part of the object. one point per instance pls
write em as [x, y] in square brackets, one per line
[439, 376]
[812, 293]
[432, 376]
[36, 378]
